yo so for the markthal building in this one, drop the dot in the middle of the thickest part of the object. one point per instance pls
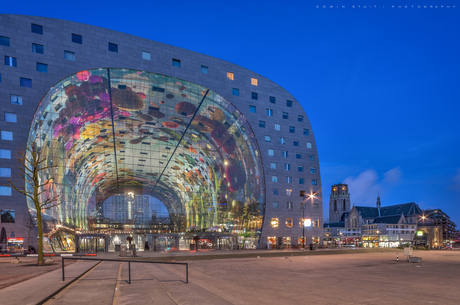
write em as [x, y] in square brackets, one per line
[150, 142]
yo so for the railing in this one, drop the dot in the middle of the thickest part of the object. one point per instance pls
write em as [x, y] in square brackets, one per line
[129, 265]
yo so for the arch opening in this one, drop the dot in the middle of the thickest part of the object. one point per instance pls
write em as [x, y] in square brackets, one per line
[118, 133]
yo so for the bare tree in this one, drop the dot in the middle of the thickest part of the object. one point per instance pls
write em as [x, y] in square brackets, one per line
[31, 162]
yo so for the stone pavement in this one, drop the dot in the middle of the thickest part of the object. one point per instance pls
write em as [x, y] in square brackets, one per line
[357, 278]
[38, 288]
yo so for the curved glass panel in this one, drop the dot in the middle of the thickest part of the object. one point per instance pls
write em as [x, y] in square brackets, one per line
[118, 132]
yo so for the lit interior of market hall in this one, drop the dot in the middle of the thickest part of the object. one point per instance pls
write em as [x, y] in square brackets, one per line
[162, 160]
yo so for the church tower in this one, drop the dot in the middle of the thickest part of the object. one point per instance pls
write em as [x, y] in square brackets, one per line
[339, 202]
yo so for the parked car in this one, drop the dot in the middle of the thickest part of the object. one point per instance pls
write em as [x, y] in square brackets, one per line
[449, 247]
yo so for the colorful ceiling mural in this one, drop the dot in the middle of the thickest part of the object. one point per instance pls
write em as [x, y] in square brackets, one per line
[119, 131]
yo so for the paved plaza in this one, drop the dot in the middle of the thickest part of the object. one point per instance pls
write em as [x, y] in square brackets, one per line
[358, 278]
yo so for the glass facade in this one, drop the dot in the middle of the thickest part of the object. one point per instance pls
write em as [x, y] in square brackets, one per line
[140, 152]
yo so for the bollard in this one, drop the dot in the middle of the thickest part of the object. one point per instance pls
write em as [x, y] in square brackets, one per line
[397, 257]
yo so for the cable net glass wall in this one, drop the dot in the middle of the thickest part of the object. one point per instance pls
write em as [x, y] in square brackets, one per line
[122, 137]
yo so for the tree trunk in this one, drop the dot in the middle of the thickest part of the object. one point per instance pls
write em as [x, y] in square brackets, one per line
[40, 238]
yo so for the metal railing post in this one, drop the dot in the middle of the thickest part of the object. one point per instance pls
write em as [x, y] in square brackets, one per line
[129, 271]
[186, 274]
[63, 276]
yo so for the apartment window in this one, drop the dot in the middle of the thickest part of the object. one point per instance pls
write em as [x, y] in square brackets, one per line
[300, 118]
[289, 221]
[272, 99]
[300, 168]
[42, 67]
[236, 92]
[314, 182]
[298, 156]
[306, 132]
[16, 99]
[252, 109]
[6, 135]
[291, 129]
[276, 204]
[262, 124]
[145, 55]
[271, 152]
[77, 38]
[5, 154]
[270, 112]
[315, 206]
[277, 127]
[7, 216]
[69, 55]
[288, 179]
[254, 96]
[204, 70]
[230, 76]
[275, 192]
[254, 81]
[113, 47]
[288, 192]
[313, 170]
[4, 41]
[273, 165]
[282, 140]
[308, 144]
[11, 61]
[37, 48]
[11, 117]
[176, 63]
[302, 194]
[5, 172]
[285, 153]
[289, 103]
[311, 157]
[274, 178]
[268, 138]
[296, 142]
[37, 29]
[25, 82]
[274, 222]
[285, 115]
[301, 180]
[287, 167]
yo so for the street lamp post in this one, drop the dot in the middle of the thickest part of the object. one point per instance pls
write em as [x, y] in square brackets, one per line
[312, 196]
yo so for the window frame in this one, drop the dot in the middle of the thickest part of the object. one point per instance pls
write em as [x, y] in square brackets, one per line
[77, 38]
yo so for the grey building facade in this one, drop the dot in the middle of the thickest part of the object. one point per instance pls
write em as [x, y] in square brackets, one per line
[39, 52]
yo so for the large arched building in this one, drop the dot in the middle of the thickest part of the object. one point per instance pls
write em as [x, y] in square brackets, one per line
[164, 144]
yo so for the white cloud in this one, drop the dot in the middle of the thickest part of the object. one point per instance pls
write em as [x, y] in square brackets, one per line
[364, 187]
[393, 175]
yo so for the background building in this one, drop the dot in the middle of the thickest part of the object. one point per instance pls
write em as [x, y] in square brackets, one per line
[63, 64]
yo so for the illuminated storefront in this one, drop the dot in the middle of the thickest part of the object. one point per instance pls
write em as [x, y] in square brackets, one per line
[141, 153]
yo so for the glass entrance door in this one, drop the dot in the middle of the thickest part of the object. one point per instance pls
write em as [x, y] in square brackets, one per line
[91, 244]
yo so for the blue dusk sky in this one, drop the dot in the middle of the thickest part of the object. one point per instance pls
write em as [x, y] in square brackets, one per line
[380, 85]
